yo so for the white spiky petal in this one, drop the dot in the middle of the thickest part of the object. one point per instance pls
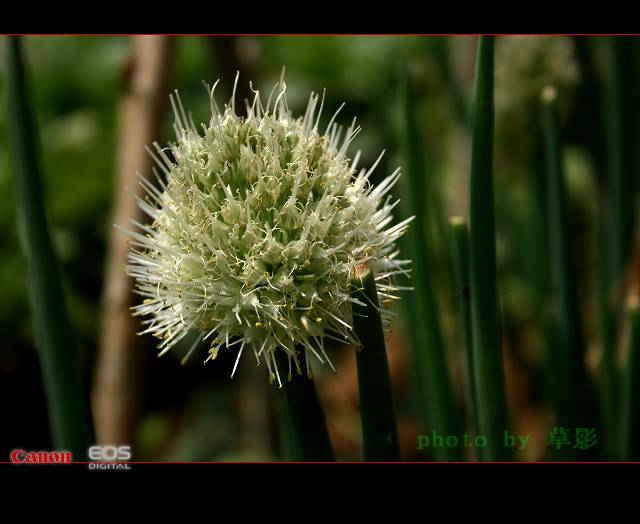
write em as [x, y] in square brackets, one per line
[257, 224]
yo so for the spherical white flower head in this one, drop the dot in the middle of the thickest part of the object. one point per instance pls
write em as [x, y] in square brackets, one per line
[257, 225]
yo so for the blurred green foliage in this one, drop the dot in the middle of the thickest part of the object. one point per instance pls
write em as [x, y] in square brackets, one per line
[75, 87]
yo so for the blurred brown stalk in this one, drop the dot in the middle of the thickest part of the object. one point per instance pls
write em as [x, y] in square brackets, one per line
[120, 370]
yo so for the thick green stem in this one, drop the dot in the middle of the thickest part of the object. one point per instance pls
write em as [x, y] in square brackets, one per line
[622, 136]
[620, 221]
[608, 372]
[459, 239]
[434, 381]
[566, 365]
[300, 406]
[630, 444]
[487, 350]
[379, 431]
[67, 400]
[592, 126]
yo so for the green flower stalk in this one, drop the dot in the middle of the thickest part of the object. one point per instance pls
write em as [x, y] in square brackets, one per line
[303, 424]
[486, 340]
[431, 370]
[68, 407]
[569, 383]
[459, 240]
[256, 227]
[379, 431]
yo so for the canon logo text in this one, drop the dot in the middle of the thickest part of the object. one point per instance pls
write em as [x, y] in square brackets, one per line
[20, 456]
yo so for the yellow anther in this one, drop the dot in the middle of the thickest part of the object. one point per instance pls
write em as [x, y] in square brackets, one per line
[309, 373]
[272, 378]
[259, 325]
[289, 377]
[387, 302]
[318, 320]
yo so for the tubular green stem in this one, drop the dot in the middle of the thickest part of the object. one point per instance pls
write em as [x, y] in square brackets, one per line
[459, 239]
[570, 384]
[379, 431]
[487, 351]
[609, 393]
[630, 444]
[537, 227]
[67, 402]
[619, 226]
[307, 430]
[622, 144]
[593, 129]
[434, 381]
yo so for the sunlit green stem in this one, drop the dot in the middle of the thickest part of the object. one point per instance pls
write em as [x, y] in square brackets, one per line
[380, 435]
[487, 350]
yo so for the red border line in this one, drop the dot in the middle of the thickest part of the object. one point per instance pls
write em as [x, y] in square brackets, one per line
[341, 462]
